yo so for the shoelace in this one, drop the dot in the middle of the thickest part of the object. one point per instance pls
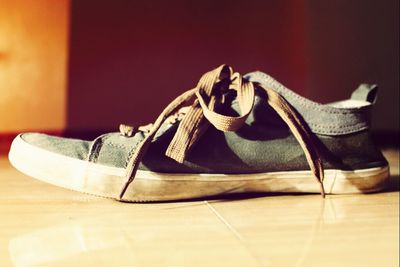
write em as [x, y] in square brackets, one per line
[196, 119]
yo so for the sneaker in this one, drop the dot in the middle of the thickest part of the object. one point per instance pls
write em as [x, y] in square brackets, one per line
[230, 134]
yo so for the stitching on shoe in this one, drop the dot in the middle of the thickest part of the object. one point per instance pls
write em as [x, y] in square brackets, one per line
[358, 125]
[94, 157]
[332, 132]
[303, 102]
[339, 130]
[111, 143]
[306, 103]
[130, 154]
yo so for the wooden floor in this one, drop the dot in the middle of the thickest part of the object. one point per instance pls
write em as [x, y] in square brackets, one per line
[42, 225]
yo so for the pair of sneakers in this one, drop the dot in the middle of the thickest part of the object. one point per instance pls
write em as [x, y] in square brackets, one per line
[230, 134]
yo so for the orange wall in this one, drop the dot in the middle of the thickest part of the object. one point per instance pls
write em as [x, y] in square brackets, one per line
[33, 60]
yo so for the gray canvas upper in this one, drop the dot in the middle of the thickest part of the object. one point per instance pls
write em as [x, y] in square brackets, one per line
[263, 144]
[322, 119]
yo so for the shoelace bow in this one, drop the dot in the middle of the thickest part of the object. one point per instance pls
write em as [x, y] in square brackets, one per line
[204, 97]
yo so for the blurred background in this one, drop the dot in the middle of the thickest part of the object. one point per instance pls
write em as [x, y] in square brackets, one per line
[82, 67]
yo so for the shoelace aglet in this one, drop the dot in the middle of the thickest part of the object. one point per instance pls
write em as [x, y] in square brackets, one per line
[323, 194]
[126, 130]
[126, 185]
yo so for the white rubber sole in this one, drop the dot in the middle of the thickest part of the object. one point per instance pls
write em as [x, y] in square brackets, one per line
[107, 181]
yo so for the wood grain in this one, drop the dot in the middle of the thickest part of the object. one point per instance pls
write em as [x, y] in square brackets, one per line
[42, 225]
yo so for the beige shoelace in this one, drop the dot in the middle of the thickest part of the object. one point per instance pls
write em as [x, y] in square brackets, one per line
[196, 118]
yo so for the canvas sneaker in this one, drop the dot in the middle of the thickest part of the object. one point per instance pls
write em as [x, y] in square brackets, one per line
[230, 134]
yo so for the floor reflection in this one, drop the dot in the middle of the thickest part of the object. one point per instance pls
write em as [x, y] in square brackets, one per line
[85, 239]
[45, 226]
[53, 244]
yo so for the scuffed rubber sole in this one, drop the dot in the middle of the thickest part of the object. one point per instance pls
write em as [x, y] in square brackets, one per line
[107, 181]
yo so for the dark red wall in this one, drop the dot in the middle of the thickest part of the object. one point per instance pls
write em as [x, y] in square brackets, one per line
[349, 42]
[128, 59]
